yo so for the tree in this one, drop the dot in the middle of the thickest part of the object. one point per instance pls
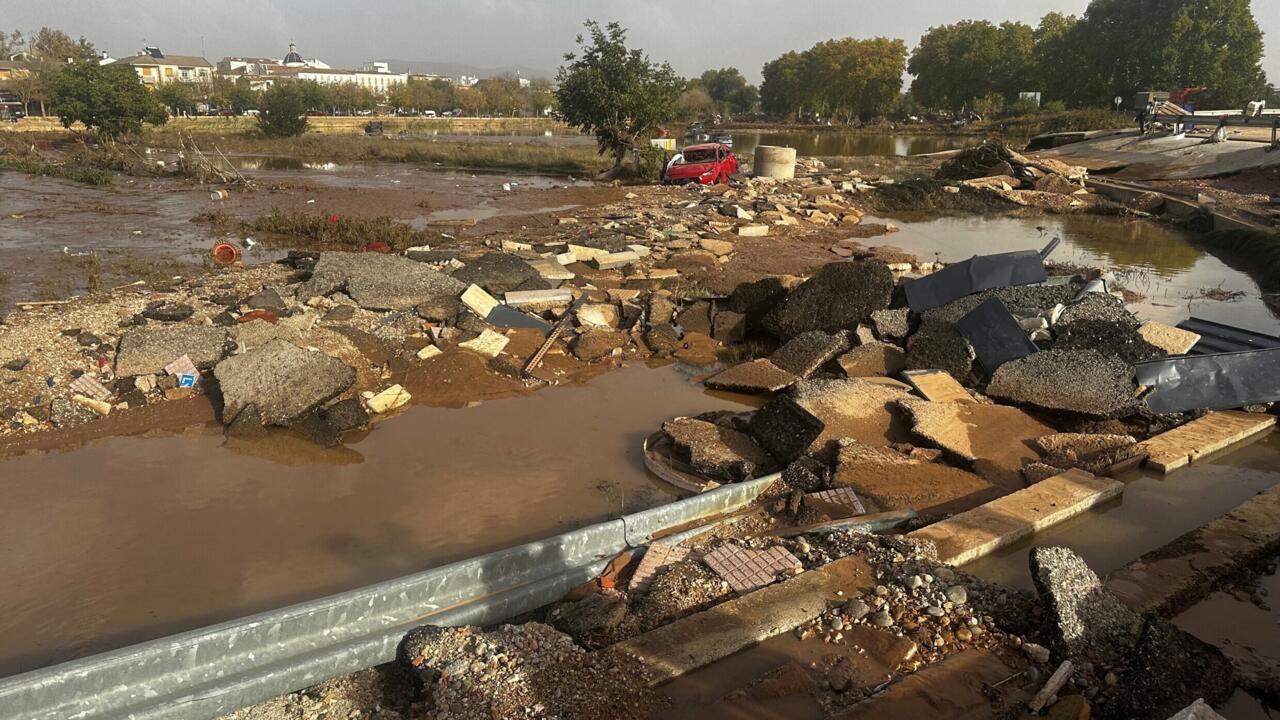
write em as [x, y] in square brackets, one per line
[11, 44]
[105, 98]
[784, 90]
[179, 97]
[1058, 57]
[614, 92]
[314, 95]
[694, 104]
[1136, 45]
[284, 110]
[729, 90]
[845, 78]
[954, 65]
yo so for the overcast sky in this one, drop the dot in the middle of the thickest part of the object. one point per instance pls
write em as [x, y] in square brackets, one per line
[536, 33]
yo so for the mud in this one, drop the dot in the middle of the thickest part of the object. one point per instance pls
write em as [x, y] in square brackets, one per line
[292, 521]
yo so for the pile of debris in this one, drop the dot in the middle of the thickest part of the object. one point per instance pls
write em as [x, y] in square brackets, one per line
[1042, 183]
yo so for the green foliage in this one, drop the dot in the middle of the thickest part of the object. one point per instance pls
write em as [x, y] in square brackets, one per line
[105, 98]
[957, 65]
[284, 111]
[614, 92]
[314, 96]
[729, 90]
[842, 78]
[179, 97]
[694, 104]
[233, 95]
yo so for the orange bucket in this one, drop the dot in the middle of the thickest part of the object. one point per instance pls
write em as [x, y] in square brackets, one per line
[225, 254]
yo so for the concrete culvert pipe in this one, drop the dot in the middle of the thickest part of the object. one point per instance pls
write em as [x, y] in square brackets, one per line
[775, 162]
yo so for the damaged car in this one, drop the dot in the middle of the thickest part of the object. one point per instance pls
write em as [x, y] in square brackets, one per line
[706, 164]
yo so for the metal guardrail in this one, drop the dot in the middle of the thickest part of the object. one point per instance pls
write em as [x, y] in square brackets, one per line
[219, 669]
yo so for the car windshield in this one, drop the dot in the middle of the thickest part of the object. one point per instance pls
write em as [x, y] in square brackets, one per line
[698, 156]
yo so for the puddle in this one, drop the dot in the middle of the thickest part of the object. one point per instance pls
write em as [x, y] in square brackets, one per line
[1243, 631]
[1154, 510]
[1161, 262]
[141, 537]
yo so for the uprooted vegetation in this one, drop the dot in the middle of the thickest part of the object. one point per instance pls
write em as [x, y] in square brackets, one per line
[328, 230]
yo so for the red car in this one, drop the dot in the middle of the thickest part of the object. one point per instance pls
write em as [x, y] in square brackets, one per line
[704, 164]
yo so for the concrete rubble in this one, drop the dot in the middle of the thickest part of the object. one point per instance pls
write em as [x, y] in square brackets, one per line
[279, 383]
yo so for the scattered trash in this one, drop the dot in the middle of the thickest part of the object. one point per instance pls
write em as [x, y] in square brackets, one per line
[219, 195]
[89, 386]
[226, 254]
[995, 335]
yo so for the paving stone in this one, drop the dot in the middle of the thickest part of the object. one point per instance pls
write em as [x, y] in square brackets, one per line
[539, 299]
[717, 452]
[746, 570]
[813, 414]
[994, 440]
[599, 315]
[658, 556]
[875, 359]
[478, 301]
[892, 324]
[1094, 453]
[1174, 341]
[1081, 381]
[938, 345]
[612, 261]
[844, 497]
[805, 353]
[755, 377]
[838, 297]
[1109, 337]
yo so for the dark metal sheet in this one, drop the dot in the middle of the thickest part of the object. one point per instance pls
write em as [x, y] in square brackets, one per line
[509, 317]
[995, 335]
[1219, 338]
[982, 272]
[1211, 382]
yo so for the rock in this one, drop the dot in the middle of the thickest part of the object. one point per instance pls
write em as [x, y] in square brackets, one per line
[1094, 453]
[65, 413]
[392, 398]
[346, 415]
[17, 364]
[1087, 621]
[595, 613]
[168, 311]
[882, 619]
[377, 281]
[752, 230]
[1108, 337]
[805, 353]
[428, 351]
[958, 594]
[1071, 707]
[478, 301]
[937, 345]
[441, 309]
[892, 324]
[496, 272]
[718, 452]
[754, 377]
[1081, 381]
[729, 327]
[814, 413]
[1172, 340]
[663, 340]
[146, 350]
[856, 609]
[756, 299]
[342, 313]
[616, 260]
[88, 339]
[266, 299]
[719, 247]
[695, 318]
[1168, 669]
[876, 359]
[315, 427]
[1054, 183]
[661, 310]
[1039, 472]
[599, 315]
[1037, 653]
[488, 344]
[838, 297]
[596, 344]
[281, 380]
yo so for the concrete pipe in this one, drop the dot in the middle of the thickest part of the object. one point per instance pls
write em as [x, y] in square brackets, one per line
[775, 162]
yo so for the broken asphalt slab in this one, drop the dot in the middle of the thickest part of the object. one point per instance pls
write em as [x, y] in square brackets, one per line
[814, 413]
[377, 281]
[840, 296]
[1080, 381]
[717, 452]
[146, 350]
[756, 377]
[805, 353]
[280, 381]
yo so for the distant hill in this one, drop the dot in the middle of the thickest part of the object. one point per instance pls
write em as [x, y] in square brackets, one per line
[455, 70]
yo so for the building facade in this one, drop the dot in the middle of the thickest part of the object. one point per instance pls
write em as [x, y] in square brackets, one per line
[155, 68]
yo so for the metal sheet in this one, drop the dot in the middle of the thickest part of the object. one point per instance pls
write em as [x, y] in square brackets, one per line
[212, 671]
[1220, 338]
[1212, 382]
[995, 335]
[982, 272]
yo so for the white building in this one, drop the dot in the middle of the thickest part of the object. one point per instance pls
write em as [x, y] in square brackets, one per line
[378, 82]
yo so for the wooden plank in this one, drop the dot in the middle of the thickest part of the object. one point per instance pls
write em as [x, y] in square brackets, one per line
[1172, 578]
[700, 639]
[938, 386]
[1215, 431]
[1017, 516]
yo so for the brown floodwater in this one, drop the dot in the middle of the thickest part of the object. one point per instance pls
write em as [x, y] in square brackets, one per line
[837, 143]
[1159, 261]
[132, 538]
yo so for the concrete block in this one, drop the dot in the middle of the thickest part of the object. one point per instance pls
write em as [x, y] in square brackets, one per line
[488, 344]
[480, 302]
[753, 230]
[539, 298]
[616, 260]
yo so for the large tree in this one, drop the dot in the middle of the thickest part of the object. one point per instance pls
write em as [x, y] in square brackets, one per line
[1136, 45]
[284, 110]
[615, 92]
[729, 90]
[784, 90]
[105, 98]
[178, 97]
[844, 78]
[956, 65]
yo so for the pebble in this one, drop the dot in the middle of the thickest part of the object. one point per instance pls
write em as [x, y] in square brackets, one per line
[935, 611]
[915, 581]
[882, 591]
[882, 619]
[856, 609]
[1037, 653]
[837, 624]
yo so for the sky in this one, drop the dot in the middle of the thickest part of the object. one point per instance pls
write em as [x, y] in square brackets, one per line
[692, 36]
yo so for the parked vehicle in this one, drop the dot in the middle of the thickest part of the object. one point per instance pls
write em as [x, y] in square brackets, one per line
[705, 164]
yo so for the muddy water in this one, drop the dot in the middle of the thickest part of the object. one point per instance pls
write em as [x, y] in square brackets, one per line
[1154, 510]
[1161, 262]
[837, 143]
[138, 537]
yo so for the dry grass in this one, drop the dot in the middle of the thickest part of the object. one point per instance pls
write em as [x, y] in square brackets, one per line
[320, 230]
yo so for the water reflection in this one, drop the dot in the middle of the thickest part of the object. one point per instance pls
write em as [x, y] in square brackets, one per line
[837, 143]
